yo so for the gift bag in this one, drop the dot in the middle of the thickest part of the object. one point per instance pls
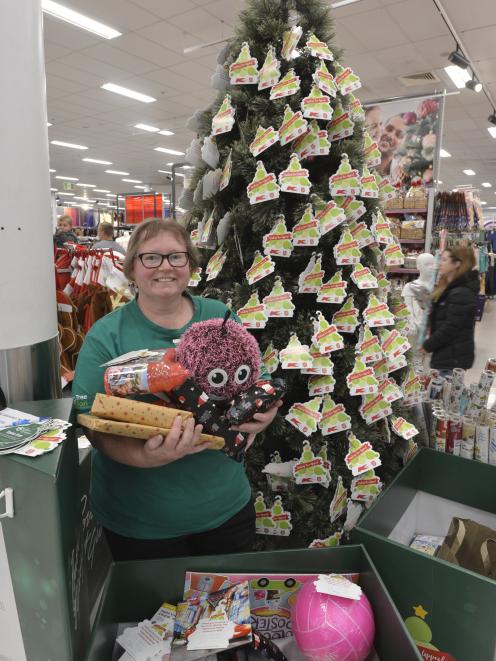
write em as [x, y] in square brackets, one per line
[471, 546]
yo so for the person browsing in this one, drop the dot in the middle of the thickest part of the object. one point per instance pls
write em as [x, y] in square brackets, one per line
[106, 239]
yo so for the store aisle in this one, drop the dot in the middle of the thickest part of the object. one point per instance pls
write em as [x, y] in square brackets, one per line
[485, 346]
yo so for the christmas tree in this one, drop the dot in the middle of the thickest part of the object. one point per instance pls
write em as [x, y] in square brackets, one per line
[295, 200]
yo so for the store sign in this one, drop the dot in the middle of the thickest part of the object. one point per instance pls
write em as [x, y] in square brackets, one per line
[68, 186]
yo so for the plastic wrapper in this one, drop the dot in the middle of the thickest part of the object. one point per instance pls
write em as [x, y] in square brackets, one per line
[257, 399]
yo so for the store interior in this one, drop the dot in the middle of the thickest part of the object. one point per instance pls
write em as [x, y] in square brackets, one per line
[153, 112]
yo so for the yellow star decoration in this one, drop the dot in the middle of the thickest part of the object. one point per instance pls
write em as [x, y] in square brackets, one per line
[420, 612]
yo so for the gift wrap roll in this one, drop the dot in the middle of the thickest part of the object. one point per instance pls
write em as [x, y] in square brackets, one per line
[481, 451]
[492, 445]
[134, 430]
[468, 438]
[141, 413]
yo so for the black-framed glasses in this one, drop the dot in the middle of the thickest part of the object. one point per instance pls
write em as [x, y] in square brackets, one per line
[152, 260]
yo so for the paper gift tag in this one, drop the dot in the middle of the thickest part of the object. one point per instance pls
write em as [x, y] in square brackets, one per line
[270, 359]
[363, 278]
[310, 280]
[399, 308]
[264, 139]
[361, 380]
[307, 144]
[368, 346]
[195, 278]
[384, 286]
[412, 388]
[305, 416]
[223, 227]
[295, 356]
[207, 236]
[346, 80]
[334, 290]
[390, 390]
[330, 217]
[290, 40]
[346, 181]
[215, 264]
[329, 542]
[324, 79]
[393, 255]
[353, 514]
[366, 487]
[396, 364]
[355, 108]
[371, 152]
[346, 318]
[325, 335]
[381, 369]
[253, 314]
[381, 228]
[394, 344]
[321, 384]
[374, 408]
[278, 303]
[244, 70]
[270, 72]
[338, 502]
[310, 469]
[317, 105]
[322, 363]
[341, 125]
[346, 251]
[264, 186]
[354, 209]
[226, 172]
[403, 428]
[334, 418]
[194, 237]
[386, 190]
[287, 86]
[295, 178]
[211, 633]
[223, 120]
[377, 313]
[361, 457]
[307, 231]
[293, 125]
[263, 516]
[279, 242]
[281, 519]
[368, 184]
[361, 233]
[261, 267]
[319, 48]
[209, 152]
[323, 145]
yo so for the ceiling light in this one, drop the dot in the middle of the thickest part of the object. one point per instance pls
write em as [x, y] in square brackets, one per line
[51, 170]
[96, 160]
[169, 151]
[125, 91]
[133, 181]
[49, 124]
[68, 194]
[117, 172]
[187, 167]
[79, 20]
[444, 154]
[482, 202]
[101, 190]
[166, 132]
[491, 207]
[54, 189]
[486, 184]
[141, 187]
[342, 3]
[459, 76]
[457, 58]
[469, 172]
[111, 195]
[59, 176]
[164, 171]
[474, 85]
[87, 185]
[79, 197]
[71, 145]
[492, 131]
[147, 127]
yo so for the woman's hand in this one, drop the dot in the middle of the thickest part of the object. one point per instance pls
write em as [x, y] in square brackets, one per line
[160, 450]
[259, 422]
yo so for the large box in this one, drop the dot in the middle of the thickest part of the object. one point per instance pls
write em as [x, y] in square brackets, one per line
[449, 610]
[134, 590]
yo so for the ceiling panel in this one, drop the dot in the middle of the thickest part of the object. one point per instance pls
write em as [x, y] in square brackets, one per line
[164, 9]
[103, 70]
[469, 15]
[66, 35]
[119, 14]
[198, 22]
[376, 27]
[143, 46]
[59, 68]
[119, 59]
[419, 20]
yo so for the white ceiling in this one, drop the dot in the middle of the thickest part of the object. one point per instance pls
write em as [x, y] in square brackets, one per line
[383, 39]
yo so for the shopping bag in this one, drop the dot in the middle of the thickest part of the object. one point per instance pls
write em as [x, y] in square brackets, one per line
[470, 545]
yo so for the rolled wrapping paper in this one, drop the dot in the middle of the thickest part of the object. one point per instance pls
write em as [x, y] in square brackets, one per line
[141, 413]
[134, 430]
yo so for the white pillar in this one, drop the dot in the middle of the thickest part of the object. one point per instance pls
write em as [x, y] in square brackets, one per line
[28, 321]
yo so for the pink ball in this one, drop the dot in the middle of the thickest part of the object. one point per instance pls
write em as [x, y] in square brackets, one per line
[328, 628]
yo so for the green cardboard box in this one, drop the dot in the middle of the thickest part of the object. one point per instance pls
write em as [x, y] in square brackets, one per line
[134, 590]
[450, 611]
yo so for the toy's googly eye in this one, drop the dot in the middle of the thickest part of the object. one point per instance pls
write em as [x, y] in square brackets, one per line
[217, 378]
[242, 374]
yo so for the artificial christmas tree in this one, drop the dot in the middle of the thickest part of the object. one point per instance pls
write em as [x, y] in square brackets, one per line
[293, 195]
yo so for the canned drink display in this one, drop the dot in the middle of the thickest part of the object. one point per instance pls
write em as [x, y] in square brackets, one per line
[441, 428]
[468, 438]
[492, 445]
[491, 365]
[481, 448]
[454, 435]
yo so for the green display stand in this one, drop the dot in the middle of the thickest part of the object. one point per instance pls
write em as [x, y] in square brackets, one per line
[53, 558]
[134, 590]
[449, 610]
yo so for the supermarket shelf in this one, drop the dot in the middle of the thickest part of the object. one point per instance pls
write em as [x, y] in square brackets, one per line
[422, 241]
[399, 269]
[395, 212]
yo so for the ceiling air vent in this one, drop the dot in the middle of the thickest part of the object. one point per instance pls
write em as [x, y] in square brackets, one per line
[419, 78]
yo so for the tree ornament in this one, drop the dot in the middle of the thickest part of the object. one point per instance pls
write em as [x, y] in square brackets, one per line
[341, 125]
[223, 120]
[253, 314]
[290, 40]
[390, 390]
[368, 184]
[310, 279]
[334, 418]
[338, 503]
[316, 105]
[244, 70]
[322, 363]
[361, 233]
[363, 278]
[278, 303]
[346, 180]
[346, 318]
[354, 209]
[281, 519]
[325, 335]
[353, 513]
[381, 369]
[264, 139]
[361, 457]
[411, 389]
[327, 543]
[305, 416]
[220, 79]
[263, 516]
[319, 48]
[381, 229]
[403, 428]
[368, 346]
[386, 190]
[293, 125]
[396, 364]
[270, 72]
[324, 79]
[287, 86]
[334, 290]
[361, 380]
[196, 277]
[310, 469]
[270, 359]
[263, 187]
[193, 154]
[329, 215]
[346, 80]
[295, 178]
[366, 487]
[384, 285]
[278, 473]
[393, 255]
[295, 356]
[279, 241]
[206, 235]
[306, 231]
[346, 251]
[371, 152]
[261, 267]
[393, 344]
[355, 108]
[377, 313]
[215, 264]
[226, 172]
[308, 143]
[374, 408]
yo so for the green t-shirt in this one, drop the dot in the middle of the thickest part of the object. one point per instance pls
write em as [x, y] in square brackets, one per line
[198, 492]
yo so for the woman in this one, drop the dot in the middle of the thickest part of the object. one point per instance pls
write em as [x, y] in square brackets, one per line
[452, 318]
[166, 496]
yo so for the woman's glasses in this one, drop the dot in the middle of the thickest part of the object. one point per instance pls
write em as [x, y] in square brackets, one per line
[152, 260]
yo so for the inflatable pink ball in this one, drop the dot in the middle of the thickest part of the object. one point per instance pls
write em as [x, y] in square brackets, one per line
[328, 628]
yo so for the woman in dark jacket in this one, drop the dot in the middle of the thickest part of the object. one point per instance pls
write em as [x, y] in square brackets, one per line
[454, 305]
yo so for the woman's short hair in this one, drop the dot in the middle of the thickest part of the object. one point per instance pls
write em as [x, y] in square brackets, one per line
[151, 228]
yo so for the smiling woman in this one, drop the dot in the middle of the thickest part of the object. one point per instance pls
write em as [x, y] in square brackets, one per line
[190, 499]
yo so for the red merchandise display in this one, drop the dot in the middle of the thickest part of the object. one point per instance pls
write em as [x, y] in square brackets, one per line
[140, 207]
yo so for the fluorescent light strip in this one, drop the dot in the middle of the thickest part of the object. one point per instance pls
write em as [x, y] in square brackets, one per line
[49, 124]
[342, 3]
[117, 172]
[51, 170]
[482, 202]
[444, 154]
[125, 91]
[141, 187]
[486, 184]
[169, 151]
[68, 194]
[133, 181]
[164, 171]
[87, 185]
[147, 127]
[469, 173]
[492, 131]
[71, 145]
[59, 176]
[166, 132]
[54, 189]
[96, 160]
[101, 190]
[458, 76]
[111, 195]
[79, 20]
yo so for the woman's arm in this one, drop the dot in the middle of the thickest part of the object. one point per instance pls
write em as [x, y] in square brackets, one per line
[458, 305]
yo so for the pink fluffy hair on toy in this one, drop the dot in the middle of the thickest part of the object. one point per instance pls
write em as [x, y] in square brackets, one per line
[222, 356]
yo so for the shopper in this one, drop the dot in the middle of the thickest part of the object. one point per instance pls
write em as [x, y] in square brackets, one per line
[106, 239]
[64, 233]
[452, 317]
[166, 496]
